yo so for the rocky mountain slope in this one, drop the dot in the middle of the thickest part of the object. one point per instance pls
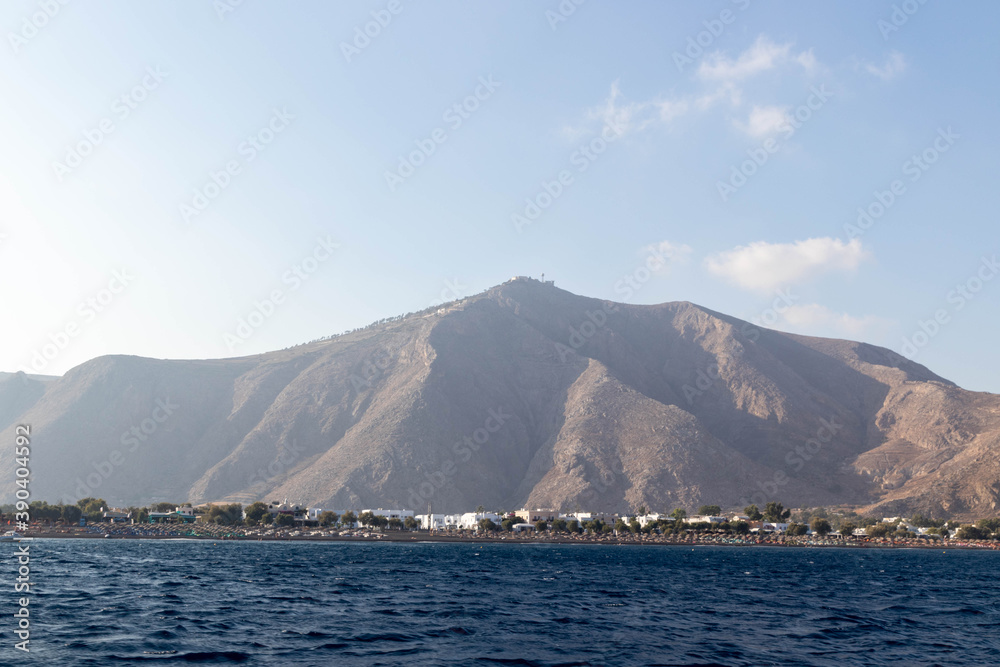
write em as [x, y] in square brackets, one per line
[523, 395]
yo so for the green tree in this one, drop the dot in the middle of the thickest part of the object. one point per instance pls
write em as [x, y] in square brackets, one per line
[635, 526]
[878, 530]
[411, 523]
[285, 520]
[573, 526]
[642, 511]
[710, 510]
[480, 509]
[348, 519]
[225, 515]
[395, 524]
[797, 529]
[92, 506]
[486, 525]
[820, 526]
[753, 513]
[559, 526]
[267, 519]
[328, 518]
[256, 511]
[507, 523]
[970, 532]
[71, 514]
[741, 527]
[847, 528]
[776, 512]
[163, 507]
[541, 525]
[679, 514]
[989, 525]
[621, 526]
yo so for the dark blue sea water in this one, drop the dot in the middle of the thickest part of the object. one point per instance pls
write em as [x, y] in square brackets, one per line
[112, 602]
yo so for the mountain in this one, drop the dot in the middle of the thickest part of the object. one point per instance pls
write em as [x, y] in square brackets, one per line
[524, 395]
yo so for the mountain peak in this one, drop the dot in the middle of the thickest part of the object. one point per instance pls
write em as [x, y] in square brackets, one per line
[526, 394]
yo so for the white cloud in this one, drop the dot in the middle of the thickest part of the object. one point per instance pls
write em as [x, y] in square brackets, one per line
[808, 60]
[895, 64]
[764, 121]
[661, 256]
[717, 81]
[762, 56]
[622, 117]
[764, 267]
[815, 319]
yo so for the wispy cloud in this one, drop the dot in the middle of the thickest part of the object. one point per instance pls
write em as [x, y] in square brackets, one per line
[665, 254]
[816, 319]
[894, 65]
[718, 80]
[762, 56]
[764, 267]
[764, 121]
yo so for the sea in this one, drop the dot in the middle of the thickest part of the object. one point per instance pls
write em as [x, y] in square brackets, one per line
[184, 602]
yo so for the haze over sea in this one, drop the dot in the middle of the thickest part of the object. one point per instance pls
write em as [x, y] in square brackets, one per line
[105, 602]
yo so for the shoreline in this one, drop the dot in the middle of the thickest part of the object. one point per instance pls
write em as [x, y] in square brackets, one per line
[410, 538]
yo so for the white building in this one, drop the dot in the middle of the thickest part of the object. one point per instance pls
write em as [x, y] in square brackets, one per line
[652, 518]
[391, 514]
[699, 518]
[470, 520]
[439, 521]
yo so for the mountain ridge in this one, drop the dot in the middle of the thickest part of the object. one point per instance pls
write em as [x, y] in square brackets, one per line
[601, 405]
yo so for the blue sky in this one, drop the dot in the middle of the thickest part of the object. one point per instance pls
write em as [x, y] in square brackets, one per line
[169, 168]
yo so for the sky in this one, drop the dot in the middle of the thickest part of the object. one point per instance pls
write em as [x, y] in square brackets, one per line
[214, 179]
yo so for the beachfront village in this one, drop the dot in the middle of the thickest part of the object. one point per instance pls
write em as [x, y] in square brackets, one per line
[772, 523]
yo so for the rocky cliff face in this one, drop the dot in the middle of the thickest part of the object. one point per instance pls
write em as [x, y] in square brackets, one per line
[523, 395]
